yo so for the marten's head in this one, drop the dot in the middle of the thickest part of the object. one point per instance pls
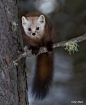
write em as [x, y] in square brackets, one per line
[34, 26]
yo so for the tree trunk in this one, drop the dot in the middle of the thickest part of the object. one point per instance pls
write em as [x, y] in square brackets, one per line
[13, 85]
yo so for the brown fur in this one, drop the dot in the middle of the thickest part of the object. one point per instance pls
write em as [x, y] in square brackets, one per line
[49, 33]
[44, 62]
[43, 76]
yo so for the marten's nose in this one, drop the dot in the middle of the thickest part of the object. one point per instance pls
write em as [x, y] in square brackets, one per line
[33, 34]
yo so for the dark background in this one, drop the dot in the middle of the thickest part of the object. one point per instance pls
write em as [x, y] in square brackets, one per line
[69, 19]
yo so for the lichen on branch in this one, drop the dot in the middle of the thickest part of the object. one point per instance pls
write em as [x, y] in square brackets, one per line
[71, 47]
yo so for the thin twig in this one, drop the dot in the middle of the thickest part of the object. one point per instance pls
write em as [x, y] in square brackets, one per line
[43, 49]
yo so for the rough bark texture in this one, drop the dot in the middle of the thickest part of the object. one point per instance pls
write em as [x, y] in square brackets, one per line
[12, 79]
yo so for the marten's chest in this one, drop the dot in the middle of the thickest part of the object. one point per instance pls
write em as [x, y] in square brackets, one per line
[40, 43]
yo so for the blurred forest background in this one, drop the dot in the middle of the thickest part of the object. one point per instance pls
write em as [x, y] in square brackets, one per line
[69, 19]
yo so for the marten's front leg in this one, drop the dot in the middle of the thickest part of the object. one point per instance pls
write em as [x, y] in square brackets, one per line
[49, 46]
[35, 50]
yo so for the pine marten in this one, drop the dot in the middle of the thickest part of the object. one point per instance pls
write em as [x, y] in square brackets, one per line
[38, 32]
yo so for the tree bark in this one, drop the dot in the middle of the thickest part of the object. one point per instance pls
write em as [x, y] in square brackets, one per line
[13, 87]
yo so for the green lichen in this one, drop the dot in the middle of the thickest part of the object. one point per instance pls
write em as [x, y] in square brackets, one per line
[71, 47]
[7, 8]
[14, 24]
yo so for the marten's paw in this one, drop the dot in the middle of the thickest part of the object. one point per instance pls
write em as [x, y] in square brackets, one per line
[50, 46]
[35, 50]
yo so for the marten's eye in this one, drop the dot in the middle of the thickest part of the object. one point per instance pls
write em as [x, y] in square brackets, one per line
[29, 29]
[37, 28]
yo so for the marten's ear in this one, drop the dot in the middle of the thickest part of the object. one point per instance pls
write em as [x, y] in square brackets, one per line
[41, 19]
[24, 20]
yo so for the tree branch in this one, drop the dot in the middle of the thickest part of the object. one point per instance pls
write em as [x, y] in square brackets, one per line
[60, 44]
[43, 49]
